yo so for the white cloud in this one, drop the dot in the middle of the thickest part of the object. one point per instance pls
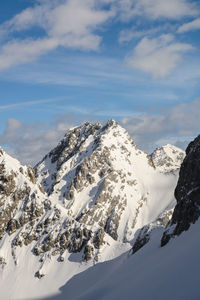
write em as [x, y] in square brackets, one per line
[74, 24]
[193, 25]
[17, 52]
[23, 104]
[69, 23]
[30, 143]
[157, 56]
[128, 34]
[59, 18]
[156, 9]
[157, 128]
[172, 9]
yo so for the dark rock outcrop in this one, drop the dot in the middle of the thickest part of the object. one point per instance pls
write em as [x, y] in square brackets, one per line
[187, 193]
[146, 232]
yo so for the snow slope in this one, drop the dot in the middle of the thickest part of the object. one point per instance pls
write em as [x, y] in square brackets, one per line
[153, 273]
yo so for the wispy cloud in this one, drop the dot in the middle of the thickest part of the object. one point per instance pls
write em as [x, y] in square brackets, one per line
[128, 34]
[81, 71]
[190, 26]
[27, 103]
[68, 24]
[30, 143]
[158, 56]
[136, 32]
[74, 23]
[152, 129]
[156, 9]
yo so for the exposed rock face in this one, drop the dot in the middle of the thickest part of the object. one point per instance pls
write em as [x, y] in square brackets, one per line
[2, 262]
[29, 217]
[145, 233]
[187, 193]
[168, 158]
[102, 179]
[21, 201]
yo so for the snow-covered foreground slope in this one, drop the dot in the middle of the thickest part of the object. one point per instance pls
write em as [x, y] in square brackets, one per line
[21, 281]
[94, 196]
[153, 273]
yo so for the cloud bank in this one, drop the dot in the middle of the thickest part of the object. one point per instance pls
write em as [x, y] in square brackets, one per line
[29, 143]
[177, 125]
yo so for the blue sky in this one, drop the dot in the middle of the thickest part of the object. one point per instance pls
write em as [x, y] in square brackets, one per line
[63, 62]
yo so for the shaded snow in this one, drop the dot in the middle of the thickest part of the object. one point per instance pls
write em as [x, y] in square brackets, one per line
[153, 273]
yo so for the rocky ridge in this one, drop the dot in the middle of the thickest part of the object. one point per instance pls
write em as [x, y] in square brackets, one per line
[99, 176]
[22, 200]
[28, 217]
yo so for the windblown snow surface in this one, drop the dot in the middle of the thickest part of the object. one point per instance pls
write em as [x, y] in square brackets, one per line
[153, 273]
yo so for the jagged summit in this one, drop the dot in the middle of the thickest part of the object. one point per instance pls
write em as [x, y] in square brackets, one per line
[103, 180]
[168, 158]
[83, 172]
[77, 143]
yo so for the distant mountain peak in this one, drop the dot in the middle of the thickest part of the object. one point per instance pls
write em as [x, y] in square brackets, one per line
[167, 158]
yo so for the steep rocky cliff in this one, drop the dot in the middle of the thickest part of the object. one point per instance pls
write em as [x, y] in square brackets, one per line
[187, 193]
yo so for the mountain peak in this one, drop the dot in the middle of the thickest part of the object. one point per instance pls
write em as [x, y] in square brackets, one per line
[99, 176]
[111, 123]
[167, 158]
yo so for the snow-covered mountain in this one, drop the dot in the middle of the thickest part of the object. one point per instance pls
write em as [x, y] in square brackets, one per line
[90, 199]
[167, 158]
[154, 272]
[103, 180]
